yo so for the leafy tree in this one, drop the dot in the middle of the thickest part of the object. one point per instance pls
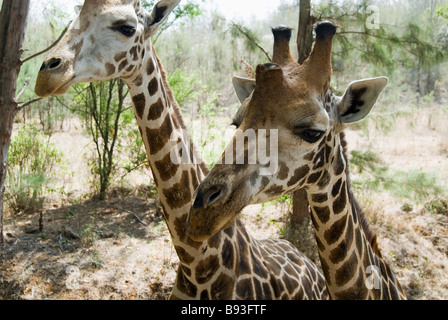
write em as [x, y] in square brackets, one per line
[101, 106]
[32, 158]
[183, 12]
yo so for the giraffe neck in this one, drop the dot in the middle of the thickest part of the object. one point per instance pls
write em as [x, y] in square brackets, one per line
[177, 175]
[351, 262]
[164, 135]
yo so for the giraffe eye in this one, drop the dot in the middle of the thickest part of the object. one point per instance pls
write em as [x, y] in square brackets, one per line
[128, 31]
[310, 135]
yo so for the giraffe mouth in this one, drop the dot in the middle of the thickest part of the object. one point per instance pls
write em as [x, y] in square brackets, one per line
[46, 86]
[64, 88]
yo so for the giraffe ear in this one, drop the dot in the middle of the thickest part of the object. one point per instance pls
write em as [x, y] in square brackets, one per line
[360, 98]
[159, 13]
[243, 87]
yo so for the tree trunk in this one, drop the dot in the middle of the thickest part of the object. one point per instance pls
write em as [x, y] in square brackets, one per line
[304, 45]
[12, 32]
[300, 209]
[298, 229]
[305, 31]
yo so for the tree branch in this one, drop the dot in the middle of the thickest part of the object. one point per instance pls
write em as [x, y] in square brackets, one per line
[27, 83]
[26, 104]
[251, 39]
[401, 41]
[50, 47]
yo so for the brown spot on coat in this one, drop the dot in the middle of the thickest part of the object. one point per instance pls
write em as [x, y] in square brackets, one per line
[340, 202]
[153, 86]
[323, 213]
[156, 110]
[120, 56]
[110, 69]
[184, 256]
[180, 194]
[336, 230]
[283, 171]
[314, 177]
[134, 53]
[228, 255]
[299, 174]
[339, 253]
[122, 65]
[336, 188]
[206, 269]
[338, 165]
[166, 168]
[214, 241]
[130, 68]
[222, 288]
[319, 198]
[184, 285]
[139, 104]
[274, 191]
[158, 138]
[77, 48]
[150, 67]
[244, 290]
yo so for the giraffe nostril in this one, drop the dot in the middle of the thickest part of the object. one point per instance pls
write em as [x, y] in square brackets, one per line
[54, 63]
[42, 67]
[198, 201]
[208, 197]
[214, 196]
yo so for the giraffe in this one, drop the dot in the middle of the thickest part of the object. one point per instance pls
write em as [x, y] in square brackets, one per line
[243, 88]
[111, 39]
[295, 103]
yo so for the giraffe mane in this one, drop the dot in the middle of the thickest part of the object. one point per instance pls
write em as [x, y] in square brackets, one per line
[356, 208]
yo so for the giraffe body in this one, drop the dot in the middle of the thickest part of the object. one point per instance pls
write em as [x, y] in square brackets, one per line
[295, 103]
[112, 39]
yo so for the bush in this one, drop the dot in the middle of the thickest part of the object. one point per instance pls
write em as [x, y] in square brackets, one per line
[437, 206]
[412, 184]
[31, 163]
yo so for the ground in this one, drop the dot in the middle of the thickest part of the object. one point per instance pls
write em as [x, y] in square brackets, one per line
[120, 248]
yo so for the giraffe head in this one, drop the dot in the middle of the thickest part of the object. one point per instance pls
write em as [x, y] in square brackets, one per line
[108, 39]
[294, 109]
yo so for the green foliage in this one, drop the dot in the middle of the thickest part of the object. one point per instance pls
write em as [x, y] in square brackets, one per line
[374, 174]
[185, 87]
[406, 42]
[414, 184]
[443, 13]
[130, 144]
[437, 206]
[406, 207]
[101, 105]
[31, 164]
[249, 37]
[367, 161]
[183, 12]
[286, 199]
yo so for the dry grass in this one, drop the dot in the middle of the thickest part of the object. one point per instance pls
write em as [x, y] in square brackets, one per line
[99, 250]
